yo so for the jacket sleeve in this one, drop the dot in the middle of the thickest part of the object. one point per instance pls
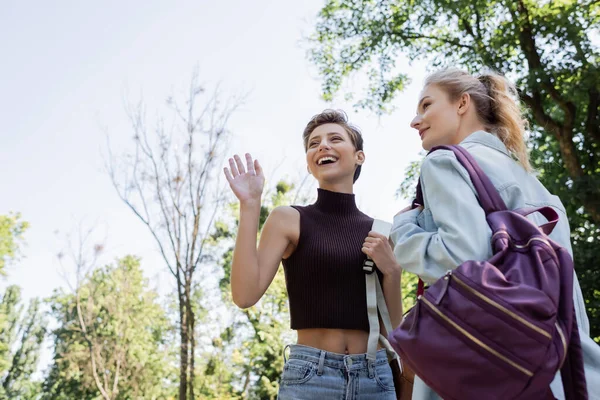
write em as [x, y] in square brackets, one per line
[462, 230]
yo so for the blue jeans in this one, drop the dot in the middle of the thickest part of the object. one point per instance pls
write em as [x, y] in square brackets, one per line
[311, 373]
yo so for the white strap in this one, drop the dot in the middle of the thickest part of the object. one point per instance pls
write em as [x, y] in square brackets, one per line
[375, 301]
[383, 310]
[371, 282]
[391, 353]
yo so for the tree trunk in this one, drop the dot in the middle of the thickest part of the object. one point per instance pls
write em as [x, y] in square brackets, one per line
[183, 351]
[191, 337]
[568, 151]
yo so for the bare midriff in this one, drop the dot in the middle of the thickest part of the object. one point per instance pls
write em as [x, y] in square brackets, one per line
[342, 341]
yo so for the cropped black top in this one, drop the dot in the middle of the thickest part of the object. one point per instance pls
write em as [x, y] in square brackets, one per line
[324, 275]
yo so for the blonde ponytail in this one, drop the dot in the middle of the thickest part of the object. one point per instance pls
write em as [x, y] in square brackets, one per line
[497, 104]
[507, 121]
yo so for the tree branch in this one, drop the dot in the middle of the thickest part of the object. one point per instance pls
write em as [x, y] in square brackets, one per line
[529, 48]
[413, 35]
[592, 124]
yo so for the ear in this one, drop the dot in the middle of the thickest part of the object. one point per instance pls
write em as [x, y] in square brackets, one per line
[360, 157]
[464, 103]
[308, 169]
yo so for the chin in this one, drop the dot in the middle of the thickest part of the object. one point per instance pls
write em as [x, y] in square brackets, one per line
[426, 145]
[429, 143]
[333, 178]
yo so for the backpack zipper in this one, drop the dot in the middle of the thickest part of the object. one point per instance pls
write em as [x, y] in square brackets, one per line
[502, 308]
[475, 340]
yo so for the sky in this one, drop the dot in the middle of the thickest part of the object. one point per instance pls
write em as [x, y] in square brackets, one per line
[69, 68]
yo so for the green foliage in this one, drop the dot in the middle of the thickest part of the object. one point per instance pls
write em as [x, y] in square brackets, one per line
[119, 331]
[11, 236]
[22, 331]
[21, 335]
[409, 290]
[546, 47]
[254, 343]
[408, 187]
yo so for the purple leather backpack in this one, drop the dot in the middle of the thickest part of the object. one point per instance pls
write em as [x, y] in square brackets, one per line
[501, 328]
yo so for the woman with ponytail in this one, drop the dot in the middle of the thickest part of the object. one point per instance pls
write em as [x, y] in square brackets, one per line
[481, 114]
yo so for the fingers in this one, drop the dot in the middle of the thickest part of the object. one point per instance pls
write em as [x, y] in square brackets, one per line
[250, 164]
[373, 236]
[258, 168]
[232, 166]
[367, 250]
[374, 241]
[228, 175]
[240, 164]
[236, 167]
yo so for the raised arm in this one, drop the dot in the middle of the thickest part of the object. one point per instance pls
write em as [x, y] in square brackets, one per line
[252, 269]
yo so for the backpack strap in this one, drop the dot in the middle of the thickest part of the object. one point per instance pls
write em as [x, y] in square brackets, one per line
[419, 202]
[376, 305]
[488, 196]
[547, 212]
[572, 371]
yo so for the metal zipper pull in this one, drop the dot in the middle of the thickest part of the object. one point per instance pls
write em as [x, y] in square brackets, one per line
[442, 293]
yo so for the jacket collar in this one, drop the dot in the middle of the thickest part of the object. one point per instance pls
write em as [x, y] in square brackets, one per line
[486, 139]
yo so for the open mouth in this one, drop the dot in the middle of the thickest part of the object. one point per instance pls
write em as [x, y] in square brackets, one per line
[326, 160]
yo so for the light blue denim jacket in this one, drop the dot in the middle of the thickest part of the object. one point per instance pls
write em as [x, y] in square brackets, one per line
[452, 228]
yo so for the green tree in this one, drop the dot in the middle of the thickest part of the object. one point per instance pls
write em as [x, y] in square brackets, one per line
[546, 47]
[21, 331]
[11, 237]
[21, 335]
[110, 339]
[254, 342]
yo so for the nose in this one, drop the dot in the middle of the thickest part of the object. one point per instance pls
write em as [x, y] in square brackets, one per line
[324, 145]
[416, 122]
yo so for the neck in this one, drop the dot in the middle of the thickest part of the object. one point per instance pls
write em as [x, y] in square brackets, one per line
[337, 187]
[345, 185]
[336, 202]
[467, 129]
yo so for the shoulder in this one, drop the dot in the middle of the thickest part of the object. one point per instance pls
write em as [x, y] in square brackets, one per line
[443, 163]
[440, 164]
[365, 217]
[442, 176]
[284, 214]
[285, 221]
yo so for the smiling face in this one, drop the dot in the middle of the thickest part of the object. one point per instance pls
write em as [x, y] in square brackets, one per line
[438, 118]
[331, 155]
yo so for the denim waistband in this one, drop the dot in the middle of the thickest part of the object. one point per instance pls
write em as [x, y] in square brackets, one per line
[335, 360]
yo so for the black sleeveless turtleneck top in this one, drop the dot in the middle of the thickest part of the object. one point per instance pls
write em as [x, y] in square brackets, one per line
[324, 276]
